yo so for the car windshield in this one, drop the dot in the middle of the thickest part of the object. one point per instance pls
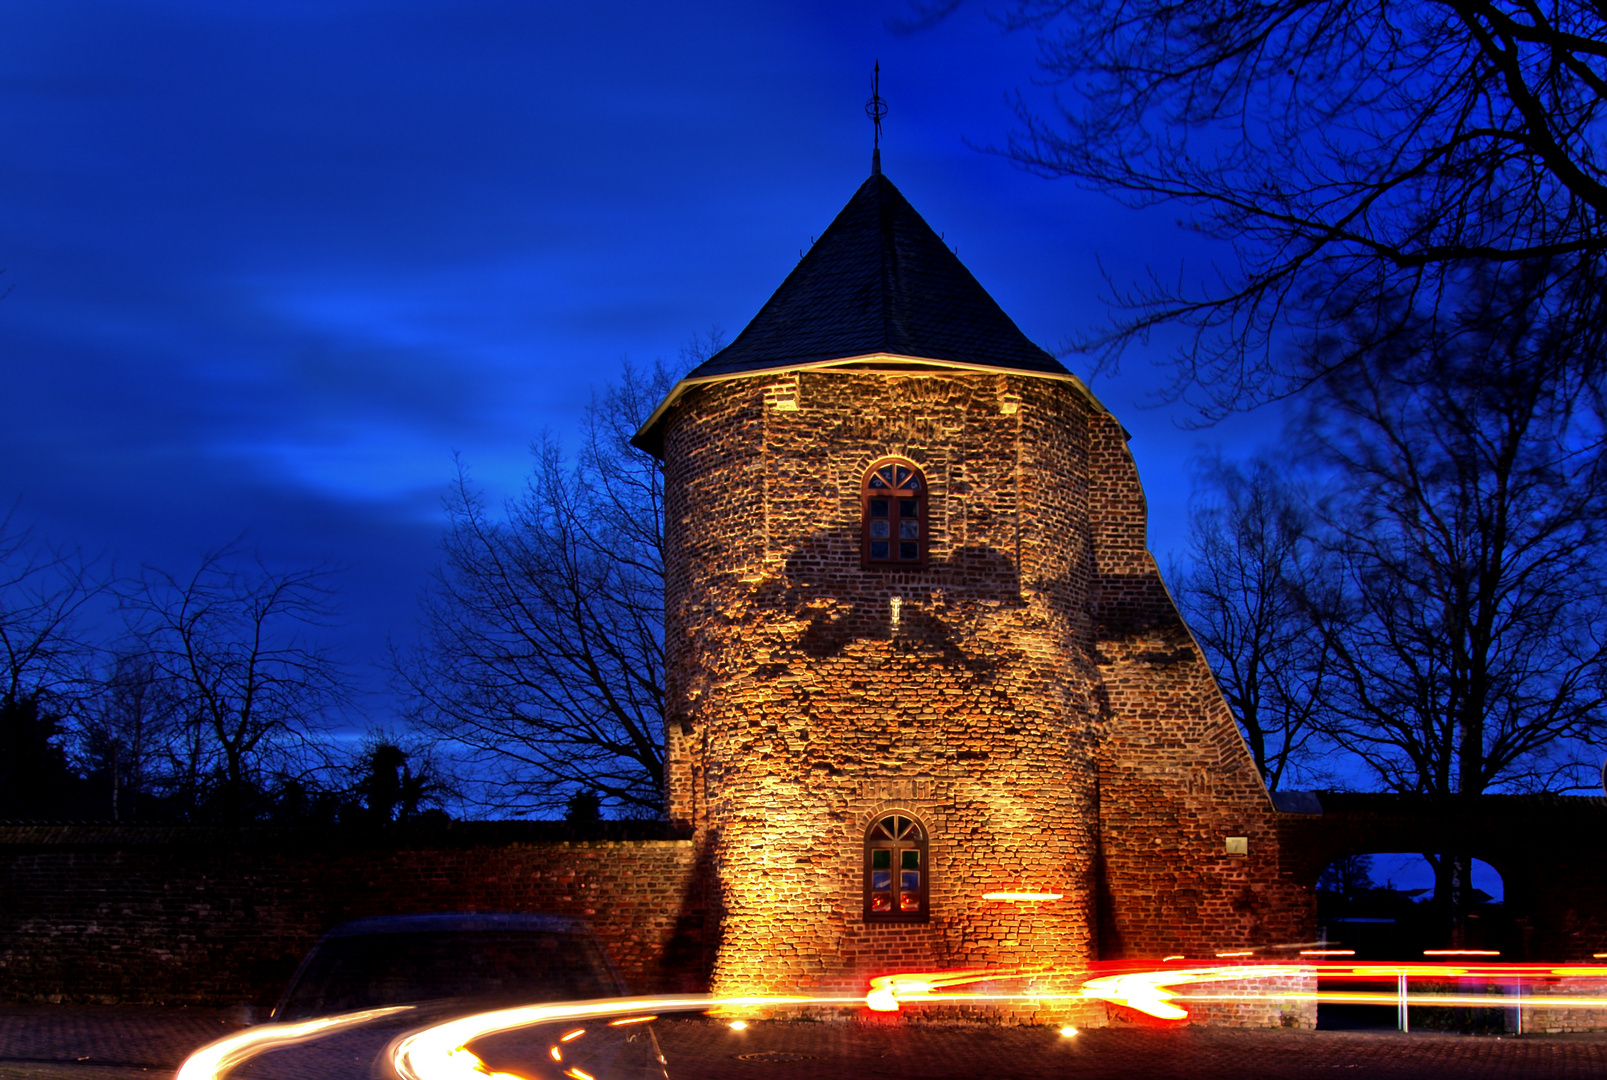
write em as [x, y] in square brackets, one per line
[369, 970]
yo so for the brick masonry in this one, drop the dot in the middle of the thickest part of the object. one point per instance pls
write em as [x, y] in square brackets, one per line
[1550, 850]
[1036, 700]
[213, 916]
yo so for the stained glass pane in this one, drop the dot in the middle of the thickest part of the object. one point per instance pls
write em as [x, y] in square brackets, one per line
[878, 549]
[882, 528]
[909, 860]
[901, 826]
[878, 507]
[914, 484]
[907, 529]
[881, 879]
[886, 473]
[880, 901]
[908, 550]
[909, 902]
[902, 475]
[909, 880]
[909, 508]
[881, 859]
[878, 482]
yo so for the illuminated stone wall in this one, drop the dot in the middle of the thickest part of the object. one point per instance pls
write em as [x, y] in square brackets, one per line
[800, 711]
[1038, 704]
[1175, 777]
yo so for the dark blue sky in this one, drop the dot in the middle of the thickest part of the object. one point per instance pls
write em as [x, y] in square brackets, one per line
[272, 263]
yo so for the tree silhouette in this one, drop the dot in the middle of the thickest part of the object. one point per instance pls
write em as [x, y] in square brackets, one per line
[235, 643]
[542, 652]
[389, 790]
[1252, 551]
[36, 781]
[1355, 157]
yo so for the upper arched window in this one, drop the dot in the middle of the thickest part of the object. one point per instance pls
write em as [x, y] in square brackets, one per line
[893, 524]
[896, 872]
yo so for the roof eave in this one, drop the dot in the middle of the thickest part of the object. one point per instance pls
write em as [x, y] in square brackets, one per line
[646, 436]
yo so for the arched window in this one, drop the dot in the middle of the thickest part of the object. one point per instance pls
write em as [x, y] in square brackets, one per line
[896, 871]
[893, 523]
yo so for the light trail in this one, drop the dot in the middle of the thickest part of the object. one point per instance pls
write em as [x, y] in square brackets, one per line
[1146, 991]
[887, 992]
[441, 1051]
[217, 1058]
[1150, 990]
[1022, 895]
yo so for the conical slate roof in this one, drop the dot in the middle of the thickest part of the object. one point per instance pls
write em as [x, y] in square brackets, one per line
[879, 281]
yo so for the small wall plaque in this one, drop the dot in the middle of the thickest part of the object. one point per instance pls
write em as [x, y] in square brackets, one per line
[1238, 845]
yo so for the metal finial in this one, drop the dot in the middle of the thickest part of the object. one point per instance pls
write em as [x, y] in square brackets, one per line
[876, 108]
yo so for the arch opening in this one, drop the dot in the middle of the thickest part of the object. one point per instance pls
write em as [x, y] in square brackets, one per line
[1400, 907]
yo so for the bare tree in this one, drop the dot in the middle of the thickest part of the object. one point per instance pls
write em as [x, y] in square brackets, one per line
[125, 734]
[1462, 605]
[45, 595]
[1251, 549]
[1464, 608]
[542, 653]
[1353, 148]
[236, 643]
[1347, 878]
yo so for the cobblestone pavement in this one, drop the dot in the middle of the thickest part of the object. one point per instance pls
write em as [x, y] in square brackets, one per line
[104, 1042]
[122, 1042]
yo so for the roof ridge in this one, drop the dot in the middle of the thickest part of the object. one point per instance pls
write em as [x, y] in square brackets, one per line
[879, 280]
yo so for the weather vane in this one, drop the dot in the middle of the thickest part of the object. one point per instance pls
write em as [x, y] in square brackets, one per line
[876, 108]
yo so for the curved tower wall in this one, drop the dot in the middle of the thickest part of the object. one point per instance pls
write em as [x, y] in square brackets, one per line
[799, 709]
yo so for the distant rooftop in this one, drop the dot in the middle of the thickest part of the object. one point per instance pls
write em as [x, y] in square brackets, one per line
[879, 281]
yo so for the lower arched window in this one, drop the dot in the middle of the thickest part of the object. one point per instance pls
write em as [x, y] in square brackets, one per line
[897, 877]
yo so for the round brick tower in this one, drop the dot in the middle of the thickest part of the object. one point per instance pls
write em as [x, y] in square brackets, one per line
[882, 704]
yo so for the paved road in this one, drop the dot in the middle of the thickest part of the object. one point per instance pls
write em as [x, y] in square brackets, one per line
[104, 1042]
[123, 1042]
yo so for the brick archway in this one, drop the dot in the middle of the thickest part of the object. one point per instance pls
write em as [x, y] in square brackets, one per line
[1550, 850]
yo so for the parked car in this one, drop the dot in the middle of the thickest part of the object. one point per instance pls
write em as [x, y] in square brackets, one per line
[369, 983]
[479, 959]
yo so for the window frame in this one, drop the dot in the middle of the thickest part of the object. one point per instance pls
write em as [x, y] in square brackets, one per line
[920, 841]
[923, 515]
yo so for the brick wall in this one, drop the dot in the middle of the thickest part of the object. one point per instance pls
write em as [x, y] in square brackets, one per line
[1038, 703]
[1175, 777]
[1547, 849]
[213, 916]
[800, 710]
[1564, 1010]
